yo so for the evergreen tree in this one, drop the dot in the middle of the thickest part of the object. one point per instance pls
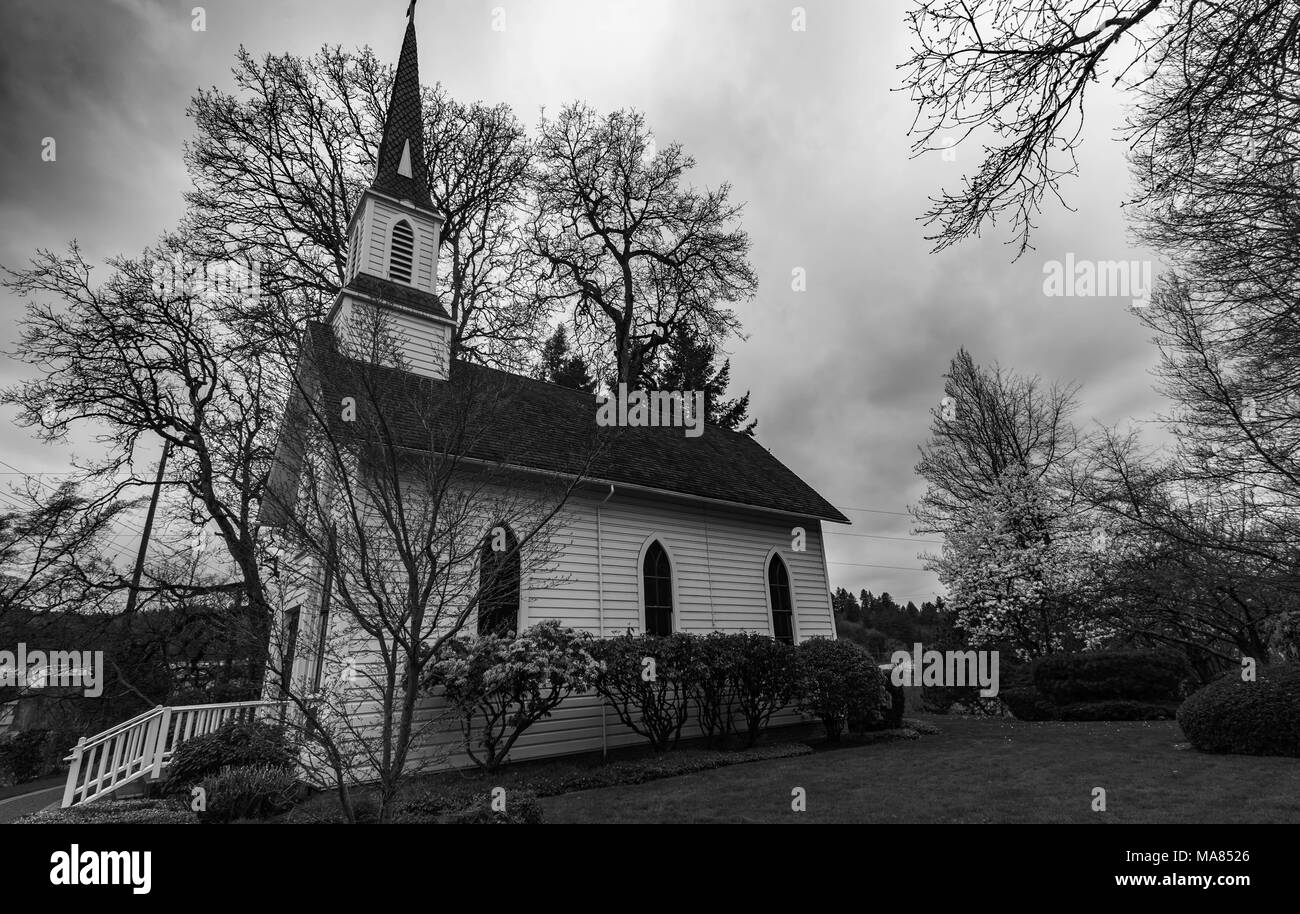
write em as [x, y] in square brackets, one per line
[561, 366]
[845, 605]
[690, 365]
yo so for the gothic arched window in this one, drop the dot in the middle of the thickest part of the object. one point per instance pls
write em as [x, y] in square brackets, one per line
[498, 569]
[657, 578]
[778, 590]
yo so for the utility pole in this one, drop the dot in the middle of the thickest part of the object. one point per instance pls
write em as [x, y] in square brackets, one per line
[148, 528]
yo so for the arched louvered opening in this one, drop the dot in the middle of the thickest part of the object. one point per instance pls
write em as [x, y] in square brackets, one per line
[657, 580]
[498, 606]
[778, 590]
[401, 254]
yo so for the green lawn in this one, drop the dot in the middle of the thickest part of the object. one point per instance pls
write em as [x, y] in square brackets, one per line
[975, 770]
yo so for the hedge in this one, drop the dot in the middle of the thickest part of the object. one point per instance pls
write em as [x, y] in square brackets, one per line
[1247, 718]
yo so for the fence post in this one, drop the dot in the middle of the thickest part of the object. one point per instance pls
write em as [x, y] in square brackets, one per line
[74, 773]
[160, 741]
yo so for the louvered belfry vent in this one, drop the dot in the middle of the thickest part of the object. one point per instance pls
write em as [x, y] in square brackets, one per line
[402, 255]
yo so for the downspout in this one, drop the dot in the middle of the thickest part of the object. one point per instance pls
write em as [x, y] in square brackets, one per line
[600, 608]
[708, 578]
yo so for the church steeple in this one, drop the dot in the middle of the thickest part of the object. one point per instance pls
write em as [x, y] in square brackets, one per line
[402, 172]
[392, 265]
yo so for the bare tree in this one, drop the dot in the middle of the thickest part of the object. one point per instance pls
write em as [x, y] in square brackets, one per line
[158, 357]
[1212, 568]
[279, 164]
[52, 549]
[1012, 76]
[628, 248]
[998, 468]
[992, 421]
[388, 505]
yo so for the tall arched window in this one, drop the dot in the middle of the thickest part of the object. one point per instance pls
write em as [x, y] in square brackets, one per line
[778, 590]
[657, 577]
[401, 253]
[498, 569]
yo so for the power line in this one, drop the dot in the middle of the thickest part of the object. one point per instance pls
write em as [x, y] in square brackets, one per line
[877, 511]
[170, 551]
[893, 567]
[877, 536]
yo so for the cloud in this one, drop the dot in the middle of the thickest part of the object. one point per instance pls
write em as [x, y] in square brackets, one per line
[804, 125]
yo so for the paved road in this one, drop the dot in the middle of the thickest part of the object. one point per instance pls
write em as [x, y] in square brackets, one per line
[27, 803]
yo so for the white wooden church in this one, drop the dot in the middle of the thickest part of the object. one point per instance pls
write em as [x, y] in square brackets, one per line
[667, 533]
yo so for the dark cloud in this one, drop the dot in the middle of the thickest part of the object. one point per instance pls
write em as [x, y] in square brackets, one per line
[805, 126]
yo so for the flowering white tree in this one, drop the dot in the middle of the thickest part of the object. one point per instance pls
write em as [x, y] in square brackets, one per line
[1024, 568]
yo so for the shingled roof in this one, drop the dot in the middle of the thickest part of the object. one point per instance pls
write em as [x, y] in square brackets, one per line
[404, 123]
[546, 427]
[395, 293]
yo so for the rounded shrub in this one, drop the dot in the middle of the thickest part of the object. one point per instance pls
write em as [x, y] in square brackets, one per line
[1246, 718]
[840, 683]
[712, 683]
[766, 678]
[647, 681]
[502, 685]
[234, 744]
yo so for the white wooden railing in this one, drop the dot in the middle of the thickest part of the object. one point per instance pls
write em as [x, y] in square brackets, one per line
[143, 746]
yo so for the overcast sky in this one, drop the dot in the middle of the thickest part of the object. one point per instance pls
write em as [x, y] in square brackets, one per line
[809, 127]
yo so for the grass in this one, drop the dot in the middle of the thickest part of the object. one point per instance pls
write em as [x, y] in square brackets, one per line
[548, 777]
[977, 770]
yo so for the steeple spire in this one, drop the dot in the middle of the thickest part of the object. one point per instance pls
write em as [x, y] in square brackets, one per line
[402, 172]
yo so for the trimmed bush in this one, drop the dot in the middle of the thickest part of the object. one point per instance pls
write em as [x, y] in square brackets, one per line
[116, 812]
[235, 744]
[767, 675]
[248, 792]
[1096, 685]
[1124, 675]
[839, 683]
[1247, 718]
[646, 678]
[500, 686]
[713, 683]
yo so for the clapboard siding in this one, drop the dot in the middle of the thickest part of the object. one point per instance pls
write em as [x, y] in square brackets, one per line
[719, 558]
[382, 216]
[423, 343]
